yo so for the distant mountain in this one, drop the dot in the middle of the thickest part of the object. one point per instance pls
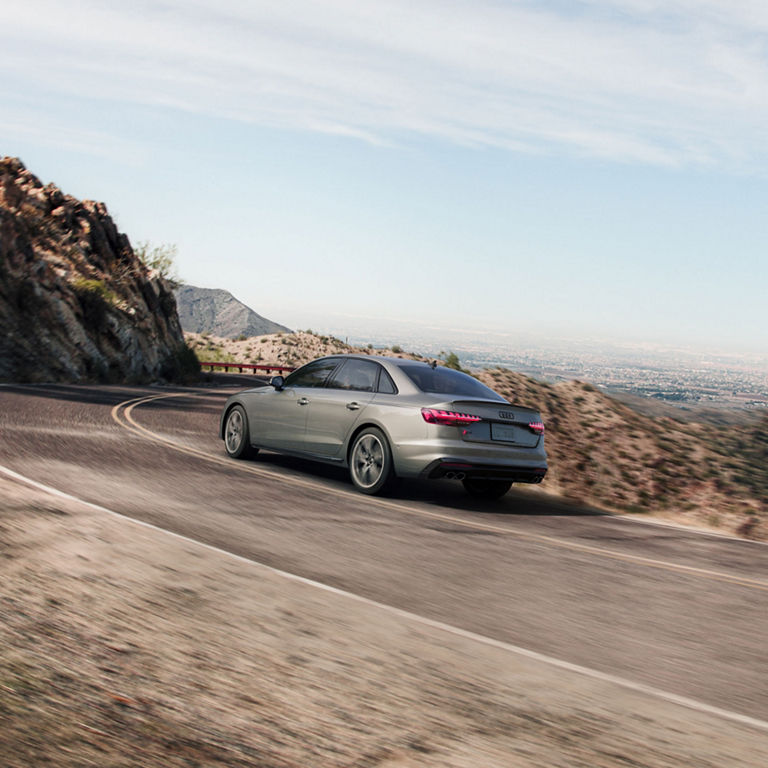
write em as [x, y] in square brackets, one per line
[212, 310]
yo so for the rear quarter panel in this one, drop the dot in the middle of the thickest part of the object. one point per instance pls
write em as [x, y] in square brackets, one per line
[399, 418]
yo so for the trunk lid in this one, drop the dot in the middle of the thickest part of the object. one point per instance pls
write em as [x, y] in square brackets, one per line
[501, 423]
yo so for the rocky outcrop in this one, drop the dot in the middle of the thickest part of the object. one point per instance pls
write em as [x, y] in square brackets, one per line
[76, 303]
[211, 310]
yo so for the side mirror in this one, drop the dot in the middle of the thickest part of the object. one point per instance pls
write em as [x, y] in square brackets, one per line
[277, 382]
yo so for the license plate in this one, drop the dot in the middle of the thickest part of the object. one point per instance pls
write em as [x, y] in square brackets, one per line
[503, 432]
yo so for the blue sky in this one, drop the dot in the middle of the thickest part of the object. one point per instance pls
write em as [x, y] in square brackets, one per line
[591, 168]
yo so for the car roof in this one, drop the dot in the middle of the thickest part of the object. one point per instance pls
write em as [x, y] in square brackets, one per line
[398, 361]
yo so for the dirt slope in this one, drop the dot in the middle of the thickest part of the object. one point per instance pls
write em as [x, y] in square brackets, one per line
[604, 453]
[123, 647]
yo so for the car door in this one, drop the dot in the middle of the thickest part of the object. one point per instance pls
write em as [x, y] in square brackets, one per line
[338, 406]
[279, 419]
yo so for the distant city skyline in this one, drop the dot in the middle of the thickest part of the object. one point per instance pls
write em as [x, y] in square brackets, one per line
[594, 169]
[364, 328]
[686, 376]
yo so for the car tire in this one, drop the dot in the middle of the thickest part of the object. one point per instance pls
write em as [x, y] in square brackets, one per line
[370, 461]
[486, 489]
[237, 436]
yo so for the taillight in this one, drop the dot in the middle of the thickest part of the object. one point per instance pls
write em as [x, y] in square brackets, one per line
[536, 426]
[449, 418]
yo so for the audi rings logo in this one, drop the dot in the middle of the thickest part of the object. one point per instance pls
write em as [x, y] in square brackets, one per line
[507, 415]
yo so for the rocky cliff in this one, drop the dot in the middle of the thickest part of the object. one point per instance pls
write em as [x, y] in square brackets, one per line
[76, 303]
[210, 310]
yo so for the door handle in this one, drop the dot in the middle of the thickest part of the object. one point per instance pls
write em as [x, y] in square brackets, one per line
[353, 406]
[302, 401]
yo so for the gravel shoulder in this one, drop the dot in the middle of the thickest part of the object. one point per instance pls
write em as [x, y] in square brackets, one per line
[122, 646]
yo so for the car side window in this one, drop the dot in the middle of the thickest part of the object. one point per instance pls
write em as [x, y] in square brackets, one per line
[312, 374]
[386, 385]
[357, 375]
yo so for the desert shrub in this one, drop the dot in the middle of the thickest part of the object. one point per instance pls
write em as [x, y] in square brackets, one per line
[99, 288]
[396, 348]
[159, 258]
[94, 298]
[218, 355]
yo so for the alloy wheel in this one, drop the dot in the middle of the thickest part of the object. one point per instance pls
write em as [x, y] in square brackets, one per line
[368, 460]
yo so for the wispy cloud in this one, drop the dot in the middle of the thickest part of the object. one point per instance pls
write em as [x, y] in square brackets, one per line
[680, 82]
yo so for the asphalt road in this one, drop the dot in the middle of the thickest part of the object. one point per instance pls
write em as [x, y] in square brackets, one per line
[681, 611]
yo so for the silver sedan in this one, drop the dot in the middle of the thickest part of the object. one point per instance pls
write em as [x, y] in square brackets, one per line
[386, 417]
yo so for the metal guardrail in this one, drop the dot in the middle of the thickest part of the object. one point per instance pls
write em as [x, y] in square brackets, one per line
[243, 367]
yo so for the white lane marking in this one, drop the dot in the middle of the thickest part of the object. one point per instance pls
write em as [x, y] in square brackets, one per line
[683, 701]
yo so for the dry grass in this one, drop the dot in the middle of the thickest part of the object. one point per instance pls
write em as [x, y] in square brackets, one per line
[606, 454]
[291, 349]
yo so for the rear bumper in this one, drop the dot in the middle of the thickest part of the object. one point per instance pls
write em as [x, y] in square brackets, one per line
[432, 458]
[460, 468]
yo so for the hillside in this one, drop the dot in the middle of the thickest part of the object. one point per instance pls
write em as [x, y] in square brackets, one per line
[76, 303]
[601, 452]
[211, 310]
[604, 453]
[290, 349]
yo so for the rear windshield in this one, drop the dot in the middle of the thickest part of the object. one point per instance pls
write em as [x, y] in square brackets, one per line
[446, 381]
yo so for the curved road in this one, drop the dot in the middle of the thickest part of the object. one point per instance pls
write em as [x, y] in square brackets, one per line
[680, 611]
